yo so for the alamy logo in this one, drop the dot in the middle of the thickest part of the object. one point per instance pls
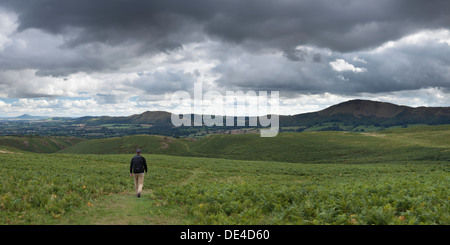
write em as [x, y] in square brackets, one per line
[222, 110]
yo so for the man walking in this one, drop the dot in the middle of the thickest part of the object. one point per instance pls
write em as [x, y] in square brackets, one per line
[137, 167]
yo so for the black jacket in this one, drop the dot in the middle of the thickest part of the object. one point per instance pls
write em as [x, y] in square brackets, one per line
[138, 165]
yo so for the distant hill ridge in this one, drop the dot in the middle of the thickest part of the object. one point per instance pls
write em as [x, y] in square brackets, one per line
[352, 112]
[366, 112]
[379, 109]
[356, 108]
[26, 117]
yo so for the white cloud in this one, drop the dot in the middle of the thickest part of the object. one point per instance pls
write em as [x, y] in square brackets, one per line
[341, 65]
[26, 83]
[421, 38]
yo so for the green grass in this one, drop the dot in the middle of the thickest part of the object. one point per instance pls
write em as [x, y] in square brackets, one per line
[396, 176]
[96, 189]
[124, 209]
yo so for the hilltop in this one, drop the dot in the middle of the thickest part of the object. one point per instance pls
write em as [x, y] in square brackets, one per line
[367, 108]
[152, 117]
[352, 114]
[364, 108]
[25, 117]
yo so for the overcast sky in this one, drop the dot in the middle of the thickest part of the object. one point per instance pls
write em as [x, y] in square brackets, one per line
[123, 57]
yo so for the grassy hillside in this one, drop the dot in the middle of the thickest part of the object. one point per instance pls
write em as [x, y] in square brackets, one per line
[128, 144]
[343, 147]
[96, 189]
[37, 144]
[426, 142]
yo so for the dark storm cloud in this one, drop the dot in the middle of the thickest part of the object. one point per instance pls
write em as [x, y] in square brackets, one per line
[156, 24]
[69, 36]
[404, 66]
[342, 25]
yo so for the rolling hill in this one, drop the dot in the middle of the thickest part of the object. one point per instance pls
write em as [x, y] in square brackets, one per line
[36, 144]
[150, 144]
[364, 112]
[427, 142]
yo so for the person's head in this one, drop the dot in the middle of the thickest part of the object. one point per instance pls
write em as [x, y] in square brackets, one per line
[138, 151]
